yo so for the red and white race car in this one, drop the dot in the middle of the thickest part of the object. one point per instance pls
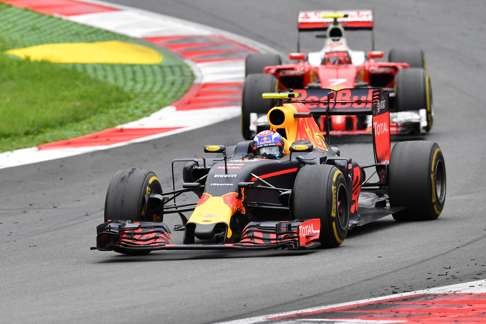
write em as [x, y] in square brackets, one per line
[335, 66]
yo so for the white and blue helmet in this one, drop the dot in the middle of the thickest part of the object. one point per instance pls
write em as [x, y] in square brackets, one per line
[268, 144]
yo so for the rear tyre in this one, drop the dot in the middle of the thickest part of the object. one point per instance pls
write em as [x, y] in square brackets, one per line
[255, 63]
[127, 197]
[320, 191]
[414, 57]
[252, 102]
[417, 180]
[414, 92]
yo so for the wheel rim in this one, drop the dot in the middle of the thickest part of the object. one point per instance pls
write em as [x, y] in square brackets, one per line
[153, 187]
[440, 181]
[342, 210]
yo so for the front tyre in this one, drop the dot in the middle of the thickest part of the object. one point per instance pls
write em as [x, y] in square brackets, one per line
[127, 197]
[417, 180]
[320, 192]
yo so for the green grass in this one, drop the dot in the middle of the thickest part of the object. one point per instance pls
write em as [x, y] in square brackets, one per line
[37, 98]
[41, 102]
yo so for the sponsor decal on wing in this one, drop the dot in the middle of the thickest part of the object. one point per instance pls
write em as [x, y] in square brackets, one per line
[309, 231]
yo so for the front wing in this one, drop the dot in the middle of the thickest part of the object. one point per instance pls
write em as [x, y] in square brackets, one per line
[148, 236]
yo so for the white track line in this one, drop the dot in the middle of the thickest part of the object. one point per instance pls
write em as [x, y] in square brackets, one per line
[138, 24]
[169, 117]
[226, 71]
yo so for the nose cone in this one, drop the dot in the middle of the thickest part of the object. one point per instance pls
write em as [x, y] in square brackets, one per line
[214, 210]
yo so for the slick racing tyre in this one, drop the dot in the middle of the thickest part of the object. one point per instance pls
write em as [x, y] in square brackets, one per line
[255, 63]
[252, 102]
[414, 92]
[320, 191]
[417, 180]
[414, 57]
[127, 197]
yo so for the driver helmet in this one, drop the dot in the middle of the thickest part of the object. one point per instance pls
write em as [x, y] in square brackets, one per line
[268, 144]
[337, 58]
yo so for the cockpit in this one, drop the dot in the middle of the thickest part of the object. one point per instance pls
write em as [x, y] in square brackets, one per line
[336, 58]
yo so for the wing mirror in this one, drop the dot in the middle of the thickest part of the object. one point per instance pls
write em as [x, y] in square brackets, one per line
[214, 149]
[280, 95]
[376, 54]
[297, 56]
[301, 147]
[218, 149]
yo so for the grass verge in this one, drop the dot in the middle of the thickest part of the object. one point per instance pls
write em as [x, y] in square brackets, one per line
[42, 102]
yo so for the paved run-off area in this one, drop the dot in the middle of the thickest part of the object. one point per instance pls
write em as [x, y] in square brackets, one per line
[147, 87]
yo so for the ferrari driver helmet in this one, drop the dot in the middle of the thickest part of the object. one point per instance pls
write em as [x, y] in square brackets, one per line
[336, 58]
[268, 144]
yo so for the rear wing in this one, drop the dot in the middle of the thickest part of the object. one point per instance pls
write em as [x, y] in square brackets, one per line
[348, 101]
[317, 20]
[353, 101]
[349, 19]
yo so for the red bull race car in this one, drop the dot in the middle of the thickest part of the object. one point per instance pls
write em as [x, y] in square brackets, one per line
[336, 66]
[308, 197]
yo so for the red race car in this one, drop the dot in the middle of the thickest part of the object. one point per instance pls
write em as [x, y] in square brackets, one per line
[336, 66]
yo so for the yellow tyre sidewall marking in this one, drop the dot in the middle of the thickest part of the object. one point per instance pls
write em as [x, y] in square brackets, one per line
[433, 181]
[427, 92]
[334, 207]
[148, 189]
[152, 179]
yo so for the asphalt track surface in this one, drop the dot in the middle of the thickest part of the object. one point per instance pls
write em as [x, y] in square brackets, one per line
[49, 211]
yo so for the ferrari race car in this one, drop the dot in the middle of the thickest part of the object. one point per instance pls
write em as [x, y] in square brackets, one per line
[308, 198]
[336, 66]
